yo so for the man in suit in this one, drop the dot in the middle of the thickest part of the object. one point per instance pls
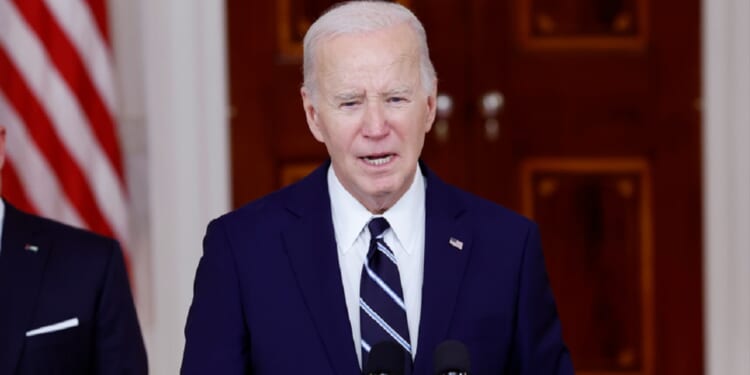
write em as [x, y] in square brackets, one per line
[371, 246]
[65, 301]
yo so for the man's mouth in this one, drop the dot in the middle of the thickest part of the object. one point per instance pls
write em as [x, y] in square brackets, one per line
[377, 160]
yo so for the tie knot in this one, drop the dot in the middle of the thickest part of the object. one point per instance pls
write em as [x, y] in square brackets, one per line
[377, 226]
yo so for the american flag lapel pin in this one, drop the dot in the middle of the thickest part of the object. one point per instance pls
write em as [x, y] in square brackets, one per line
[30, 247]
[456, 243]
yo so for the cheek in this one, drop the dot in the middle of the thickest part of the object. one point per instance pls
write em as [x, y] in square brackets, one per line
[342, 139]
[418, 128]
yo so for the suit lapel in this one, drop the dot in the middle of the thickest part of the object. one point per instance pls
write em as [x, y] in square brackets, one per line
[447, 250]
[21, 271]
[311, 246]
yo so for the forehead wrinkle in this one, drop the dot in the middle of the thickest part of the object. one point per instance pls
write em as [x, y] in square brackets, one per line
[401, 81]
[367, 74]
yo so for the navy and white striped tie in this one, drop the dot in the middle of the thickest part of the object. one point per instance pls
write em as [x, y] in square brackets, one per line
[381, 302]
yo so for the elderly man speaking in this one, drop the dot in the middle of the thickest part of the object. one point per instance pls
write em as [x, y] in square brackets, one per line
[371, 247]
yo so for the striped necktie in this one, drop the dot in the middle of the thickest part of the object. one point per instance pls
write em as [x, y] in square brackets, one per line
[381, 302]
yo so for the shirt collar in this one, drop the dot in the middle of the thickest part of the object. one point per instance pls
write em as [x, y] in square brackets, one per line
[350, 217]
[406, 215]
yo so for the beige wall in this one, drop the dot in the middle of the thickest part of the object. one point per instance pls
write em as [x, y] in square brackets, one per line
[170, 57]
[726, 136]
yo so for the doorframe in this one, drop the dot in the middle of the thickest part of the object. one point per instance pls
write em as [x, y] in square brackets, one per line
[726, 186]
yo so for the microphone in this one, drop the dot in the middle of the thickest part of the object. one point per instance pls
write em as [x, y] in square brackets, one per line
[385, 358]
[452, 358]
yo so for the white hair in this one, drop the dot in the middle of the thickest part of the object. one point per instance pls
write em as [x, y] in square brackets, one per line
[354, 17]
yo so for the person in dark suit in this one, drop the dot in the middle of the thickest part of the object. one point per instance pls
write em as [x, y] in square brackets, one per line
[65, 301]
[371, 246]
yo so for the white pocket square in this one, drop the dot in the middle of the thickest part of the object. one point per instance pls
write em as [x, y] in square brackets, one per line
[65, 324]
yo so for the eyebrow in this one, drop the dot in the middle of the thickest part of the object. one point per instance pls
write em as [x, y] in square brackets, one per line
[399, 91]
[352, 95]
[346, 96]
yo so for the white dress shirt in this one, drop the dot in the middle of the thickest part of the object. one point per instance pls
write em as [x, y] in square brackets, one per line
[405, 237]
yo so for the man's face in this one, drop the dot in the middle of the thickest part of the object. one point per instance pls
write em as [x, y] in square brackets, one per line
[371, 111]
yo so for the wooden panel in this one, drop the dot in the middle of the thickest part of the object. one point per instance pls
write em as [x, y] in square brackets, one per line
[293, 172]
[294, 18]
[596, 219]
[583, 24]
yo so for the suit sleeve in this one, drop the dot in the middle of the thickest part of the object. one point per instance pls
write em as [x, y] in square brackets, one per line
[538, 339]
[216, 338]
[119, 345]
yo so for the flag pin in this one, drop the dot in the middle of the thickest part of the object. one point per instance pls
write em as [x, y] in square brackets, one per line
[30, 247]
[456, 243]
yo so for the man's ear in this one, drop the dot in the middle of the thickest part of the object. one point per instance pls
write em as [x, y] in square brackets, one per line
[431, 107]
[311, 114]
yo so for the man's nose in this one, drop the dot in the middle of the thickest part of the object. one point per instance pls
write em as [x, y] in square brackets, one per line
[375, 124]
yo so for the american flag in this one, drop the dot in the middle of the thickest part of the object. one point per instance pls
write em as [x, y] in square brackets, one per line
[57, 102]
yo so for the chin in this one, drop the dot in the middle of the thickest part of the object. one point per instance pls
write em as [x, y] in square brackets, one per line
[375, 190]
[382, 187]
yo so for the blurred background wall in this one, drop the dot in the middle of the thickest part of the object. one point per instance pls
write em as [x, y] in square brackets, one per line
[174, 77]
[170, 58]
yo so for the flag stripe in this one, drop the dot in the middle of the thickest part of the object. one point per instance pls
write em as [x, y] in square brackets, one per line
[77, 20]
[42, 190]
[57, 101]
[99, 10]
[13, 188]
[66, 118]
[42, 132]
[71, 68]
[29, 202]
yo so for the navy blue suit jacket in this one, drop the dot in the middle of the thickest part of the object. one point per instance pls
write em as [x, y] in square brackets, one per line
[269, 297]
[70, 274]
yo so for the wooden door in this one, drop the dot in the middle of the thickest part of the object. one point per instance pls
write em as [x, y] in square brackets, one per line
[600, 134]
[594, 134]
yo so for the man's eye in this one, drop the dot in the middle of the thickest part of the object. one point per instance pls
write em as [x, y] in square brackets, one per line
[396, 99]
[349, 103]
